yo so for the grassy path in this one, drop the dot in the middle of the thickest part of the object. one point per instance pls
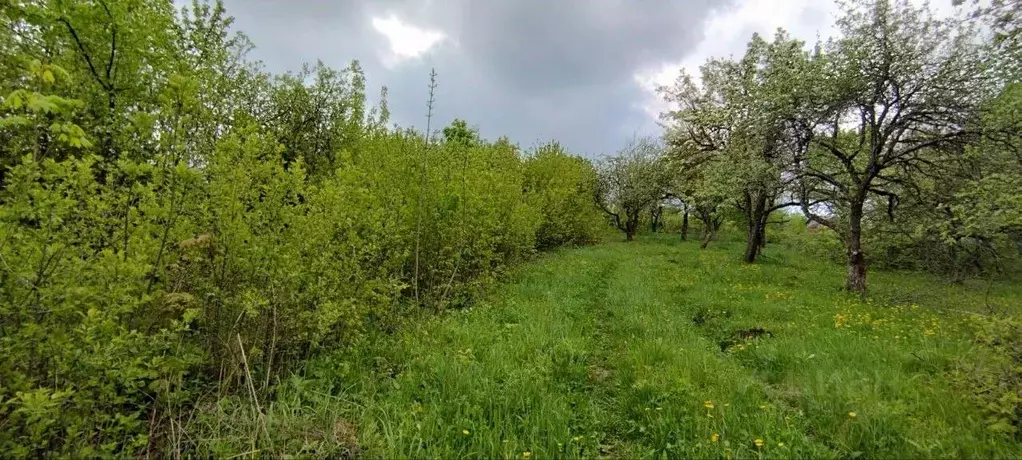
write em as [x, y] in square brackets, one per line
[658, 349]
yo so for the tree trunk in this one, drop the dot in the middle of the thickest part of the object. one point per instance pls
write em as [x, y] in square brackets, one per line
[708, 236]
[752, 245]
[763, 225]
[856, 281]
[754, 222]
[684, 225]
[631, 226]
[654, 218]
[709, 232]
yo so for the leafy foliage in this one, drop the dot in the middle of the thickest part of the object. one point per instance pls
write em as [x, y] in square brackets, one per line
[729, 133]
[562, 187]
[181, 229]
[899, 135]
[995, 382]
[632, 181]
[174, 221]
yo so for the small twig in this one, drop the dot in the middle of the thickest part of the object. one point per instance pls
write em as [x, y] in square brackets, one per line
[251, 388]
[251, 452]
[422, 185]
[273, 349]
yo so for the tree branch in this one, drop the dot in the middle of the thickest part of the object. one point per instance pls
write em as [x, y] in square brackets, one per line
[85, 53]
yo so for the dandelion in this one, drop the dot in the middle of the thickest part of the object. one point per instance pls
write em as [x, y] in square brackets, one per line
[780, 444]
[851, 415]
[759, 443]
[715, 437]
[708, 404]
[465, 432]
[526, 454]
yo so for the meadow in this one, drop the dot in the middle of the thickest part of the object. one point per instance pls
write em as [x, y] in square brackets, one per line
[203, 255]
[655, 349]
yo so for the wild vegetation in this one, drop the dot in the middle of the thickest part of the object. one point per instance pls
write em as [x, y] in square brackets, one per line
[178, 225]
[660, 349]
[199, 257]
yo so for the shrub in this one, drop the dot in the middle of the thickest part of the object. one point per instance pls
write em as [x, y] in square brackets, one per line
[562, 187]
[129, 287]
[203, 227]
[995, 379]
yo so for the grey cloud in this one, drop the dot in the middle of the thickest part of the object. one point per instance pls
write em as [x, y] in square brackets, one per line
[531, 69]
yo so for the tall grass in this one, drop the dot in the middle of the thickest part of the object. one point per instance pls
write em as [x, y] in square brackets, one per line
[658, 349]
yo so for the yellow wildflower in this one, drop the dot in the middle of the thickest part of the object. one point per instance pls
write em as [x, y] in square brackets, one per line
[708, 404]
[464, 432]
[526, 454]
[715, 437]
[780, 444]
[758, 443]
[851, 414]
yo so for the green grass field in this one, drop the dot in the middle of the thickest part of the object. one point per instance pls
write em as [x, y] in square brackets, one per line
[655, 349]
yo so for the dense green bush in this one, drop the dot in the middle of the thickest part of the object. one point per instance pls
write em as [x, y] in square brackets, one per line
[995, 379]
[198, 232]
[562, 187]
[816, 241]
[88, 347]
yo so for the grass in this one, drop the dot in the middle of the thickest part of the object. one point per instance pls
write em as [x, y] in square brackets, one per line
[656, 349]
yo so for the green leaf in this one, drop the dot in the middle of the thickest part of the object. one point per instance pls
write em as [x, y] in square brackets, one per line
[13, 121]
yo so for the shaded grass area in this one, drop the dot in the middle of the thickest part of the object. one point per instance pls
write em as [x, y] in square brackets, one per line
[653, 349]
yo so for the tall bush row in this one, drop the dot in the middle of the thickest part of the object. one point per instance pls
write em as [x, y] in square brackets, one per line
[185, 225]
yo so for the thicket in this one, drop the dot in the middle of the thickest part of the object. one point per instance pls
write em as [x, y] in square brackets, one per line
[178, 224]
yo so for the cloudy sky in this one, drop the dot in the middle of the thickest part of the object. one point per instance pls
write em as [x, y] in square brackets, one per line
[578, 71]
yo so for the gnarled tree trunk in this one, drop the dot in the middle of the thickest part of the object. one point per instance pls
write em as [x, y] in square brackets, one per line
[755, 221]
[711, 225]
[654, 217]
[631, 225]
[856, 281]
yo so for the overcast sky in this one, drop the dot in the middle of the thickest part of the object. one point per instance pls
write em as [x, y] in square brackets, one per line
[578, 71]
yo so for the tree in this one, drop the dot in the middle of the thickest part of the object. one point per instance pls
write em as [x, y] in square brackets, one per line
[893, 97]
[731, 125]
[317, 114]
[630, 182]
[1004, 19]
[458, 132]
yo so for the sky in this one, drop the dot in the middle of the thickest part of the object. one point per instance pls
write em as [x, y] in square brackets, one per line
[582, 72]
